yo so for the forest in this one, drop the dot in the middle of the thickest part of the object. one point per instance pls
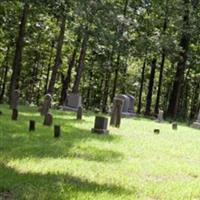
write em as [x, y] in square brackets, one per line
[99, 48]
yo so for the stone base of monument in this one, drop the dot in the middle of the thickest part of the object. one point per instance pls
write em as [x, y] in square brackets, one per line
[100, 126]
[196, 125]
[68, 108]
[127, 114]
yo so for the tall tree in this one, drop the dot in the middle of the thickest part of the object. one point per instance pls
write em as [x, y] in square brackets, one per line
[16, 67]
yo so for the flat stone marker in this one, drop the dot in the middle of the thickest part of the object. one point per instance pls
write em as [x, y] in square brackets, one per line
[174, 126]
[57, 131]
[14, 114]
[196, 124]
[31, 125]
[79, 113]
[156, 131]
[101, 125]
[48, 119]
[46, 105]
[116, 114]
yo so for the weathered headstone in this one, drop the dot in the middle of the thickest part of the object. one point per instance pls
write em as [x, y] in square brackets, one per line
[73, 102]
[128, 105]
[196, 124]
[131, 104]
[15, 99]
[101, 125]
[116, 112]
[174, 126]
[31, 125]
[57, 131]
[160, 116]
[14, 114]
[46, 105]
[79, 113]
[48, 119]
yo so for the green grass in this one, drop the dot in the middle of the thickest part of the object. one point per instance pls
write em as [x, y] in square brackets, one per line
[130, 163]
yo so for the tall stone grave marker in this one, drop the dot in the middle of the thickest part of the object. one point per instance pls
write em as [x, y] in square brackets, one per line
[116, 112]
[46, 105]
[160, 116]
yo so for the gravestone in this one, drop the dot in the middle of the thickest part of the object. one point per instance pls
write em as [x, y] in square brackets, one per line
[100, 125]
[48, 119]
[14, 114]
[31, 125]
[79, 113]
[131, 104]
[128, 105]
[57, 131]
[116, 112]
[15, 99]
[46, 104]
[73, 102]
[160, 116]
[174, 126]
[196, 124]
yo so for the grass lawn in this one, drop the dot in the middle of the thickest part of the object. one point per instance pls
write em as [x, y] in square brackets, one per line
[130, 163]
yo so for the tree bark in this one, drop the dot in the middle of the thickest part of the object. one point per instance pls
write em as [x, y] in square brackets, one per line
[66, 80]
[58, 59]
[16, 67]
[141, 87]
[150, 87]
[181, 66]
[4, 80]
[49, 68]
[80, 67]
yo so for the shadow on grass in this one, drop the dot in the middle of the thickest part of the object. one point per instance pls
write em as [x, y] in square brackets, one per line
[31, 185]
[18, 143]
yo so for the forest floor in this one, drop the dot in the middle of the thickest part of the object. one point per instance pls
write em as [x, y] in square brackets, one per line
[130, 163]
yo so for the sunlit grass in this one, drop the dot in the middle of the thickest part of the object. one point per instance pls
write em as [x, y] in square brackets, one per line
[130, 163]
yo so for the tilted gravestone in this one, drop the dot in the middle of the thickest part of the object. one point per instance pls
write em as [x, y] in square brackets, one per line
[116, 112]
[46, 105]
[196, 124]
[160, 116]
[73, 102]
[48, 119]
[100, 125]
[79, 113]
[15, 99]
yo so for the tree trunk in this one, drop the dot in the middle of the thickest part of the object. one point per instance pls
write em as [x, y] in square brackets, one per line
[141, 87]
[14, 84]
[49, 68]
[160, 83]
[58, 60]
[106, 91]
[181, 66]
[66, 80]
[80, 67]
[150, 87]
